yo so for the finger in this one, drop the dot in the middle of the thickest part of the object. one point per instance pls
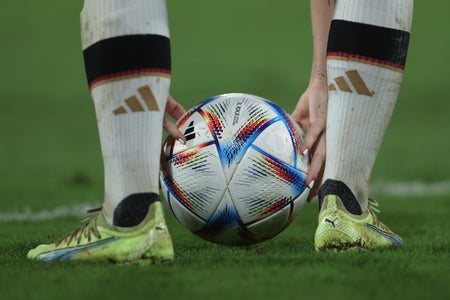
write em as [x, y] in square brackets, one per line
[173, 130]
[301, 112]
[317, 183]
[164, 166]
[312, 137]
[317, 163]
[317, 117]
[174, 109]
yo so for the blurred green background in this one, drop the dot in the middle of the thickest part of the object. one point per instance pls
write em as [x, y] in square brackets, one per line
[50, 155]
[48, 131]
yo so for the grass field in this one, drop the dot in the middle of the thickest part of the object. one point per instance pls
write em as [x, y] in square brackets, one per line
[50, 158]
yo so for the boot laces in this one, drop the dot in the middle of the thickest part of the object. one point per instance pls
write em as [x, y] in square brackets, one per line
[87, 230]
[373, 209]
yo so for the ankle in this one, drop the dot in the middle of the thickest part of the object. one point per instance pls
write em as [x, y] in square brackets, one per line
[133, 209]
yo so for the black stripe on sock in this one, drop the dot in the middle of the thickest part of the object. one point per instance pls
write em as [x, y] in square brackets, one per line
[338, 188]
[368, 42]
[129, 54]
[132, 210]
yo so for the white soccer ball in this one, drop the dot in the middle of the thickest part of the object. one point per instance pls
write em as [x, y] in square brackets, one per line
[240, 178]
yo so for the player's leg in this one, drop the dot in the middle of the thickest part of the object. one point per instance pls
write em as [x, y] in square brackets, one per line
[366, 56]
[126, 50]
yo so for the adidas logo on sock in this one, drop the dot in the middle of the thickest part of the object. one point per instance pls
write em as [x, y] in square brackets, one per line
[133, 104]
[355, 79]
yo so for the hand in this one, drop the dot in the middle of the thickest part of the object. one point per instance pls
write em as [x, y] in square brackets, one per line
[174, 110]
[311, 114]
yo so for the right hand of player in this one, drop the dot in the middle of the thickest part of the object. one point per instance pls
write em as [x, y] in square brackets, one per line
[311, 114]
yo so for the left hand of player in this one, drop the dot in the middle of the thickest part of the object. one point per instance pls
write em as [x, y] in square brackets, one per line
[174, 110]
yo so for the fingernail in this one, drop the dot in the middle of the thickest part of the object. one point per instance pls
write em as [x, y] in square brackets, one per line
[305, 152]
[311, 184]
[181, 141]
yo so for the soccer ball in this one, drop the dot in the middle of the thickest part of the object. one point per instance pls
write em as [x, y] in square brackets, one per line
[240, 178]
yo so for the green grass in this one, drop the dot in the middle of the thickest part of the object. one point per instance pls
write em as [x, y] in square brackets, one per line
[50, 157]
[283, 268]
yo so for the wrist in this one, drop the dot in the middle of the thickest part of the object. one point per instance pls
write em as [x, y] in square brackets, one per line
[318, 77]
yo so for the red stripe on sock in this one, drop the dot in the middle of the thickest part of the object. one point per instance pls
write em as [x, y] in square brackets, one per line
[365, 59]
[129, 74]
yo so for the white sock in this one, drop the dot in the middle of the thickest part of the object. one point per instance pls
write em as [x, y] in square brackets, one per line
[365, 60]
[126, 48]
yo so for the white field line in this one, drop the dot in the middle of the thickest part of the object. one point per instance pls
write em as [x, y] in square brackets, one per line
[404, 189]
[27, 214]
[413, 188]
